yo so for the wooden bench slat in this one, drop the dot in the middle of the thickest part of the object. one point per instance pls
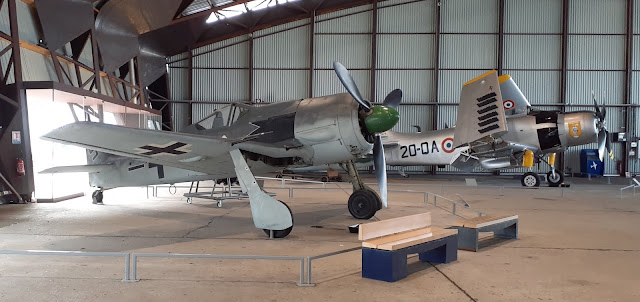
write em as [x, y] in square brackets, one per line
[481, 221]
[436, 233]
[373, 243]
[393, 226]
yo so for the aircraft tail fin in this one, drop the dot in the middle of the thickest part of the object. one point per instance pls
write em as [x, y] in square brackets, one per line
[514, 101]
[481, 112]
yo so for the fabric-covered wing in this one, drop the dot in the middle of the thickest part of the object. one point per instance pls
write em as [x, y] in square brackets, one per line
[186, 151]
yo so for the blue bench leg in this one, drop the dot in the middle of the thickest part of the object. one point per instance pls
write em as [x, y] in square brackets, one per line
[384, 265]
[446, 253]
[468, 239]
[510, 232]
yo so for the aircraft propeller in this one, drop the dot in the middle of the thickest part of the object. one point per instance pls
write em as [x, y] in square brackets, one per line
[377, 119]
[604, 139]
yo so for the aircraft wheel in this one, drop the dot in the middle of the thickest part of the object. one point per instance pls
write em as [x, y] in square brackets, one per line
[278, 175]
[555, 181]
[324, 179]
[530, 179]
[97, 197]
[281, 233]
[363, 204]
[219, 204]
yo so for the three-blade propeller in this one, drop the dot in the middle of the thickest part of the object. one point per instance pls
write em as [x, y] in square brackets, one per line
[377, 119]
[604, 139]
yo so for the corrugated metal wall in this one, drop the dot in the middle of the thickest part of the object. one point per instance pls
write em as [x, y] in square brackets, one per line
[405, 58]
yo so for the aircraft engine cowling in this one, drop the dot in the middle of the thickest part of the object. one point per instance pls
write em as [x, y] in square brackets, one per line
[577, 128]
[330, 126]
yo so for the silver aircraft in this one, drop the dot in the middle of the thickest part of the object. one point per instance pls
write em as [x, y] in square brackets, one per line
[497, 129]
[242, 140]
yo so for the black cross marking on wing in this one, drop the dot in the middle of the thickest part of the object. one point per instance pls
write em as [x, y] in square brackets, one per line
[168, 150]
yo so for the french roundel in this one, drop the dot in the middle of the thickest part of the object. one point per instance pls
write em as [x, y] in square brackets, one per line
[508, 104]
[447, 145]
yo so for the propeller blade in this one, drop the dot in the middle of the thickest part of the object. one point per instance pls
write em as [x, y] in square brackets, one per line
[598, 113]
[604, 112]
[381, 168]
[608, 144]
[350, 85]
[602, 137]
[393, 99]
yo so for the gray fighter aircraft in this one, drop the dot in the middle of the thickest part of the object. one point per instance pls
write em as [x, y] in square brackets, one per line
[497, 129]
[242, 140]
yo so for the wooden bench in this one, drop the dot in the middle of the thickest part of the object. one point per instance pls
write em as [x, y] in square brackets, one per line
[387, 244]
[468, 229]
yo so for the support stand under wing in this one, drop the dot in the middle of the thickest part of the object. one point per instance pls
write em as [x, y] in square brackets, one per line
[268, 213]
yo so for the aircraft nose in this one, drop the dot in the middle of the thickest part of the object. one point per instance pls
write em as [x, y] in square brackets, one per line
[382, 119]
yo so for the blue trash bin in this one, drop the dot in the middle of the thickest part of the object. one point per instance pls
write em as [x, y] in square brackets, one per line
[590, 163]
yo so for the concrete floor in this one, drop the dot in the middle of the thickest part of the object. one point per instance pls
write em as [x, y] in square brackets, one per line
[576, 244]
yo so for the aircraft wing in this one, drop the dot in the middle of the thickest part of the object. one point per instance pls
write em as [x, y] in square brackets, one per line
[186, 151]
[481, 112]
[75, 169]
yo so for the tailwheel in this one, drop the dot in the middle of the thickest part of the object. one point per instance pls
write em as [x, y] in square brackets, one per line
[555, 181]
[363, 204]
[530, 179]
[97, 197]
[281, 233]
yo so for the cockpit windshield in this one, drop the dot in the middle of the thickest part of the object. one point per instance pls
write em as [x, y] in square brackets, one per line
[223, 117]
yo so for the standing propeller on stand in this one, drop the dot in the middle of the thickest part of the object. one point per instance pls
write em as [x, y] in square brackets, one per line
[604, 139]
[377, 119]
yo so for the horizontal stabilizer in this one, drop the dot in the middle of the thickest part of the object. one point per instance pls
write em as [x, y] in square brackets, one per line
[75, 169]
[481, 112]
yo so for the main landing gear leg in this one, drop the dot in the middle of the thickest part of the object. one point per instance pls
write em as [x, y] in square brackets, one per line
[269, 214]
[363, 202]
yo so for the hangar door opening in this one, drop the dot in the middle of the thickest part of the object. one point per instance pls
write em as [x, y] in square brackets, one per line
[49, 109]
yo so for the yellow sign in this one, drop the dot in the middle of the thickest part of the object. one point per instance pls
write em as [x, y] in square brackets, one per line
[575, 130]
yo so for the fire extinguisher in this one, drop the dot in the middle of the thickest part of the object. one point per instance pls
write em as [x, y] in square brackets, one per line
[20, 167]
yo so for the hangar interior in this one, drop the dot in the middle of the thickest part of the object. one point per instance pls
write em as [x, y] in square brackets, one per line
[169, 65]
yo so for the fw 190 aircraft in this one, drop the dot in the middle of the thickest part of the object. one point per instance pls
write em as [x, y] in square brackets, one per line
[244, 141]
[497, 129]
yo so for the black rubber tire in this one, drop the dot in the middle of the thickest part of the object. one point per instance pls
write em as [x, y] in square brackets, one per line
[285, 232]
[97, 197]
[555, 182]
[324, 179]
[530, 180]
[363, 204]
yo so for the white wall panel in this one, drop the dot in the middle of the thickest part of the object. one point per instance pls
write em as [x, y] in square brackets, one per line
[218, 45]
[360, 22]
[417, 17]
[414, 115]
[289, 49]
[463, 16]
[540, 87]
[597, 16]
[326, 83]
[28, 24]
[636, 51]
[220, 85]
[279, 28]
[468, 51]
[353, 51]
[179, 114]
[608, 87]
[36, 67]
[405, 51]
[280, 85]
[451, 82]
[596, 52]
[179, 60]
[178, 84]
[532, 52]
[4, 18]
[635, 87]
[236, 56]
[447, 115]
[526, 16]
[200, 111]
[636, 15]
[416, 85]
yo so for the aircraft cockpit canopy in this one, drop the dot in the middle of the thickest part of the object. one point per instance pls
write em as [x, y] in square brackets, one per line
[222, 117]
